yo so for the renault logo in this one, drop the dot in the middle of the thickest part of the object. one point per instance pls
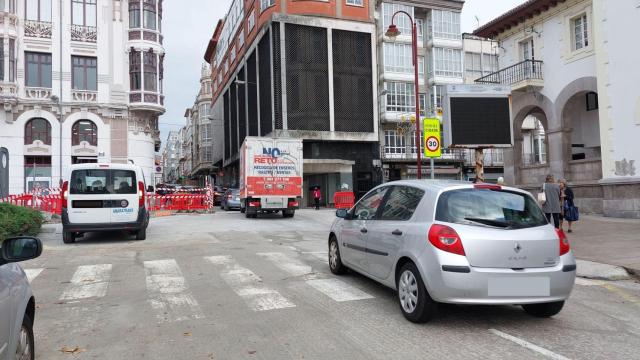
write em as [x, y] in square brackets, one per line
[517, 247]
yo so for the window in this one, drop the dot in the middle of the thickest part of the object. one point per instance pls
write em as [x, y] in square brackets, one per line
[103, 181]
[38, 10]
[420, 28]
[38, 69]
[401, 203]
[401, 21]
[398, 58]
[37, 129]
[241, 39]
[264, 4]
[84, 12]
[448, 62]
[413, 141]
[436, 95]
[233, 54]
[84, 130]
[367, 208]
[149, 18]
[12, 60]
[473, 65]
[393, 143]
[489, 63]
[580, 32]
[446, 25]
[150, 71]
[421, 65]
[134, 14]
[1, 59]
[135, 70]
[226, 66]
[85, 73]
[423, 104]
[354, 2]
[401, 97]
[526, 51]
[252, 20]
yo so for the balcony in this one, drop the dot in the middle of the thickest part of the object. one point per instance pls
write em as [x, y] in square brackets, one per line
[409, 154]
[37, 93]
[38, 29]
[84, 96]
[145, 100]
[146, 35]
[523, 76]
[84, 33]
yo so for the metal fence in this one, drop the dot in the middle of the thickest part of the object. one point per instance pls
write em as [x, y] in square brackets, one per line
[525, 70]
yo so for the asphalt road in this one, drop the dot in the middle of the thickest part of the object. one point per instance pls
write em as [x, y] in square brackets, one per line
[224, 287]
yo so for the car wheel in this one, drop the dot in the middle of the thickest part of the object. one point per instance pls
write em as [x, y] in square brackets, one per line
[544, 310]
[25, 343]
[68, 237]
[335, 261]
[226, 207]
[415, 303]
[141, 234]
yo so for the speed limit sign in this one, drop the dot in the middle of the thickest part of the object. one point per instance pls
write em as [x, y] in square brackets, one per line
[431, 138]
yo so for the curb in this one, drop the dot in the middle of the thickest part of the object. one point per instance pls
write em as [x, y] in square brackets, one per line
[599, 271]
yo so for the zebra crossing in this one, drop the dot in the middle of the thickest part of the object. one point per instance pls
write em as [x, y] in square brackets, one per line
[171, 299]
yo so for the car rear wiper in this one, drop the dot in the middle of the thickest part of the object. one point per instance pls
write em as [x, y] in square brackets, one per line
[490, 222]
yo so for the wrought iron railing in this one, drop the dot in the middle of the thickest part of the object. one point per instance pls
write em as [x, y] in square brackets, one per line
[525, 70]
[84, 33]
[38, 29]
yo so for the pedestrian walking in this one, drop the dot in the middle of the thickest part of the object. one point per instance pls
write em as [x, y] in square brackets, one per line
[551, 204]
[316, 197]
[569, 209]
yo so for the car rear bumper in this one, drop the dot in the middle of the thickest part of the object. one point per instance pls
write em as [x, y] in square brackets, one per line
[141, 222]
[459, 283]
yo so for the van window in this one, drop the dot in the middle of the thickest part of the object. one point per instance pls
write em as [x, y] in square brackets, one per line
[103, 181]
[485, 207]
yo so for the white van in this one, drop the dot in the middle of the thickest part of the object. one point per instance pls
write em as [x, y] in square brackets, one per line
[104, 197]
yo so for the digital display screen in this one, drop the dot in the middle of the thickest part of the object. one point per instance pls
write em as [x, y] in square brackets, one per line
[480, 121]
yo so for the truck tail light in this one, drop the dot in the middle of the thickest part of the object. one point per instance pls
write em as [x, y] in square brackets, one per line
[65, 194]
[254, 203]
[293, 204]
[141, 194]
[446, 239]
[564, 242]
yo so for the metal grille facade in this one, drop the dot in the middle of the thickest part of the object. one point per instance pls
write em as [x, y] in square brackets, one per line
[307, 80]
[226, 124]
[234, 118]
[252, 98]
[242, 109]
[352, 81]
[277, 75]
[264, 72]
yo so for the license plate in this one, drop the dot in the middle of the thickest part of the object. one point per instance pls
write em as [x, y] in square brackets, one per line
[272, 203]
[519, 286]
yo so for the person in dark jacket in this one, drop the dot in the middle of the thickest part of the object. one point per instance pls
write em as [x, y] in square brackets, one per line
[567, 202]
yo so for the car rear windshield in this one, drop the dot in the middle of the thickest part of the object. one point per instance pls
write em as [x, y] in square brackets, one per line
[103, 181]
[488, 207]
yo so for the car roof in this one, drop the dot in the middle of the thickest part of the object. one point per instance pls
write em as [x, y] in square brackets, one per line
[443, 185]
[105, 166]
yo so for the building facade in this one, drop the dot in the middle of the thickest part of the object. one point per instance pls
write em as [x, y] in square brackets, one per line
[202, 130]
[575, 108]
[300, 69]
[79, 83]
[170, 158]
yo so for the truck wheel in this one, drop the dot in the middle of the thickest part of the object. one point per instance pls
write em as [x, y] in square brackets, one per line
[68, 237]
[141, 234]
[242, 210]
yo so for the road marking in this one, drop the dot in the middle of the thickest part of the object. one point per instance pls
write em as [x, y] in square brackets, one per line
[338, 290]
[287, 264]
[89, 281]
[320, 255]
[528, 345]
[588, 282]
[623, 294]
[169, 293]
[32, 274]
[249, 285]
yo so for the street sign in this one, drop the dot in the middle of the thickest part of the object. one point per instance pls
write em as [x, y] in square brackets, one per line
[432, 143]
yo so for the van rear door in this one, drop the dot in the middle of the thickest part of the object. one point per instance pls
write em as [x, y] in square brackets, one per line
[125, 186]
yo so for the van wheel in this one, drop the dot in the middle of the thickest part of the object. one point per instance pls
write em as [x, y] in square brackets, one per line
[415, 303]
[543, 310]
[68, 237]
[141, 234]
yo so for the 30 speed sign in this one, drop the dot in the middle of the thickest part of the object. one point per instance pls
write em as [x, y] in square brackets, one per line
[432, 144]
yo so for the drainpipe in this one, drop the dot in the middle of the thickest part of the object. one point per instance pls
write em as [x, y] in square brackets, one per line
[60, 97]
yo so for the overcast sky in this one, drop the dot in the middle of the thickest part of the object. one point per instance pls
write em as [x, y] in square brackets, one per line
[189, 24]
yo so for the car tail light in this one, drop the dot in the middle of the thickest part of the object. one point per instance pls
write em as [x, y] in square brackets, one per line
[564, 242]
[254, 203]
[141, 194]
[229, 197]
[65, 194]
[446, 239]
[293, 204]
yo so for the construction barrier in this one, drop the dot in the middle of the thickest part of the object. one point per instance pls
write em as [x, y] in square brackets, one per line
[343, 199]
[47, 203]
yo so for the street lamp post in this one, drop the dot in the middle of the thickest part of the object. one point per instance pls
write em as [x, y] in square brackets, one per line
[393, 32]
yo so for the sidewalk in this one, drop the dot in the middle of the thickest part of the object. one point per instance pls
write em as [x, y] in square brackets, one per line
[607, 240]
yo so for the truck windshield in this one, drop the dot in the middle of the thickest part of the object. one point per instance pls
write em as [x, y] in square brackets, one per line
[102, 181]
[485, 207]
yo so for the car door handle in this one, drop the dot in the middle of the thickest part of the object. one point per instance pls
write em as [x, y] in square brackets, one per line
[364, 230]
[396, 232]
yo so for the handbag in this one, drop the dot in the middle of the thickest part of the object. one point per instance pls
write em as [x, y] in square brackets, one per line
[542, 196]
[572, 214]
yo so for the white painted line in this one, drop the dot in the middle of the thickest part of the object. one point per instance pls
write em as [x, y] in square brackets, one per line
[89, 281]
[588, 282]
[322, 256]
[249, 285]
[338, 290]
[528, 345]
[169, 293]
[32, 273]
[287, 264]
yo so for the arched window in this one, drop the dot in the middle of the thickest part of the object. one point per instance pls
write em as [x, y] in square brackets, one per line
[84, 130]
[37, 129]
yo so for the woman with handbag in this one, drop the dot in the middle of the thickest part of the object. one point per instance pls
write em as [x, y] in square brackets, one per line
[570, 211]
[551, 200]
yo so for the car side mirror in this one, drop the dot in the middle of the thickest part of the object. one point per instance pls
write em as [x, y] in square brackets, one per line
[20, 249]
[150, 189]
[342, 213]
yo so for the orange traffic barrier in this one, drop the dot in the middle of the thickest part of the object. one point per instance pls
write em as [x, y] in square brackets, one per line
[343, 199]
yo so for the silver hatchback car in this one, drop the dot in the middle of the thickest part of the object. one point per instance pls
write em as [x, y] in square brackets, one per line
[455, 242]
